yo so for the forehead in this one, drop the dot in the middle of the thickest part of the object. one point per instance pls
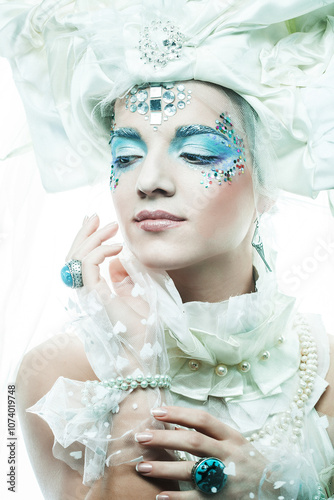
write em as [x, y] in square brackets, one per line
[206, 104]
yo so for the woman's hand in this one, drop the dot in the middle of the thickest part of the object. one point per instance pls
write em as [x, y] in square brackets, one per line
[211, 438]
[88, 248]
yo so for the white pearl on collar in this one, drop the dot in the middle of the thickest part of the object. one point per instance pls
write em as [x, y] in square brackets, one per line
[291, 421]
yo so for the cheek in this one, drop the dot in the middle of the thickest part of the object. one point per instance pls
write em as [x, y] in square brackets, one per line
[225, 210]
[122, 196]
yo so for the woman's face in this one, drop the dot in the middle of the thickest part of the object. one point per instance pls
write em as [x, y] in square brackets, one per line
[173, 210]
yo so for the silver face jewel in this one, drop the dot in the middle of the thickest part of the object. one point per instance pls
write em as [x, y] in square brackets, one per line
[142, 95]
[159, 43]
[158, 100]
[168, 96]
[170, 110]
[142, 108]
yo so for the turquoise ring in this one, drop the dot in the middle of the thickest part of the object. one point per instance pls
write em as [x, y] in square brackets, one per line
[71, 274]
[208, 475]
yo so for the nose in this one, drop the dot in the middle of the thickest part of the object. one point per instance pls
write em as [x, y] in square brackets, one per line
[155, 177]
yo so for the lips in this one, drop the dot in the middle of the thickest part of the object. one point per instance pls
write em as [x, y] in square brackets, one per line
[157, 221]
[156, 215]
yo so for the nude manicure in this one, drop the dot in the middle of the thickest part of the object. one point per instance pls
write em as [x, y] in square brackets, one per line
[143, 437]
[159, 412]
[142, 467]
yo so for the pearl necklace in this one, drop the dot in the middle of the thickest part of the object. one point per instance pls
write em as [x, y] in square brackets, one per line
[290, 423]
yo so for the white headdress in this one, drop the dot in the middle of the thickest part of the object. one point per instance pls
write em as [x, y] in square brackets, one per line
[68, 55]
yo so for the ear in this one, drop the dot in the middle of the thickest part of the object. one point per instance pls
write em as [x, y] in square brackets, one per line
[116, 271]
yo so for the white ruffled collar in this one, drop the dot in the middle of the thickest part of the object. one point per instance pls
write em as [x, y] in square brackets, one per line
[239, 329]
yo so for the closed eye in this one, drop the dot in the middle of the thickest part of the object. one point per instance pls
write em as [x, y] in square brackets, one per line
[196, 159]
[126, 161]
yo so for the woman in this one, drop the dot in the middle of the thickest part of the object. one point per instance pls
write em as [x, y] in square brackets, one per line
[187, 191]
[208, 254]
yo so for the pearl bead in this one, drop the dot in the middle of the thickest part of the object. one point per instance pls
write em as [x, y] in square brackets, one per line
[221, 370]
[265, 355]
[244, 366]
[194, 365]
[281, 339]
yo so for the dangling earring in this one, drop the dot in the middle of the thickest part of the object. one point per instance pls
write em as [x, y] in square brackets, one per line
[258, 245]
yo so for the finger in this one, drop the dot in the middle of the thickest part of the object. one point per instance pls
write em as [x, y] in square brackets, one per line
[91, 263]
[95, 240]
[181, 495]
[88, 227]
[200, 420]
[193, 442]
[116, 271]
[180, 471]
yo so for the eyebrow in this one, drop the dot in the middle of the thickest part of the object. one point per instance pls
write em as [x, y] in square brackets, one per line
[181, 132]
[127, 133]
[190, 130]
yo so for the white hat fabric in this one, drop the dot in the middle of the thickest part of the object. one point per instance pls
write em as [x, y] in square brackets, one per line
[68, 55]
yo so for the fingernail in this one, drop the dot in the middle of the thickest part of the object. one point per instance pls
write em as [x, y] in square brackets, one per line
[85, 220]
[162, 497]
[159, 412]
[142, 467]
[112, 224]
[92, 217]
[143, 437]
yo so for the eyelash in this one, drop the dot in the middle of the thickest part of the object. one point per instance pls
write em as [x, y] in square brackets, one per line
[194, 159]
[125, 161]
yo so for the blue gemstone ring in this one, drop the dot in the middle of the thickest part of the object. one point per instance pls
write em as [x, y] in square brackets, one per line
[71, 274]
[208, 475]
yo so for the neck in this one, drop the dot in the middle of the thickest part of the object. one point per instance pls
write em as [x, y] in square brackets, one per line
[216, 279]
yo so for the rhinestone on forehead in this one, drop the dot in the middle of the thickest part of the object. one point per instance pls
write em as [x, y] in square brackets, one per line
[158, 100]
[160, 42]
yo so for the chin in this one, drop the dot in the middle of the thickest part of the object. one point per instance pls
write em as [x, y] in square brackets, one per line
[162, 259]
